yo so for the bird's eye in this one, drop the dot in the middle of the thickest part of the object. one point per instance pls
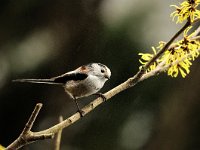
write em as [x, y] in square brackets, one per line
[102, 70]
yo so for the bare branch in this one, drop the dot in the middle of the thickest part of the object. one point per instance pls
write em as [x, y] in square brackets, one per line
[197, 31]
[32, 118]
[160, 68]
[58, 136]
[27, 136]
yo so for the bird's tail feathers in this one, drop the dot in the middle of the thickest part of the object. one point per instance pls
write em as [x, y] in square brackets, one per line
[41, 81]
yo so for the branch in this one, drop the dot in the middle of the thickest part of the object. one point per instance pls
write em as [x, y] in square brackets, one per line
[196, 32]
[27, 136]
[161, 68]
[58, 136]
[141, 72]
[167, 45]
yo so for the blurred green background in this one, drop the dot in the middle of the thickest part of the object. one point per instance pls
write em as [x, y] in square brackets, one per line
[45, 38]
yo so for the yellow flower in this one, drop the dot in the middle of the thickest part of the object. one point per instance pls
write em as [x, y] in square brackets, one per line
[146, 57]
[1, 147]
[184, 51]
[179, 54]
[177, 58]
[186, 10]
[182, 67]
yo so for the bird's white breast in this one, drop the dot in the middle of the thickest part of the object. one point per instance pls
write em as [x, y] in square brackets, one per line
[86, 87]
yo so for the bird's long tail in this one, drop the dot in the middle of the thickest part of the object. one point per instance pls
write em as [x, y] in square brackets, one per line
[42, 81]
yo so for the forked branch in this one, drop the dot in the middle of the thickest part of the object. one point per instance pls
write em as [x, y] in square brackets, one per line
[27, 136]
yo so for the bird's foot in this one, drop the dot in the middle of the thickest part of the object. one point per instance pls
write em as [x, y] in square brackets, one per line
[101, 95]
[81, 112]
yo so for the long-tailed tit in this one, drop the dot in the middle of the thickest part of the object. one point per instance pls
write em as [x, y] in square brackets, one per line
[83, 81]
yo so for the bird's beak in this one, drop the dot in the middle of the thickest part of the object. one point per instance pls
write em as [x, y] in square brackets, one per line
[107, 77]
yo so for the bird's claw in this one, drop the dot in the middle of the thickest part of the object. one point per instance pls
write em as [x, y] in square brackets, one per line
[101, 95]
[81, 112]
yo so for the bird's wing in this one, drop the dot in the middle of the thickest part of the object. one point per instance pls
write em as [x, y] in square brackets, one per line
[69, 76]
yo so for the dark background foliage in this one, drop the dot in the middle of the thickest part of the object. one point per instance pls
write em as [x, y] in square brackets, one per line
[45, 38]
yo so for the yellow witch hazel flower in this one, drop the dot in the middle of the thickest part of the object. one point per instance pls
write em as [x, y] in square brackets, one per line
[1, 147]
[184, 51]
[146, 57]
[182, 67]
[187, 10]
[177, 58]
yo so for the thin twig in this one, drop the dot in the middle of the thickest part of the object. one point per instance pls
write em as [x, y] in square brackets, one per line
[32, 118]
[161, 68]
[142, 71]
[58, 136]
[195, 38]
[187, 24]
[27, 136]
[197, 31]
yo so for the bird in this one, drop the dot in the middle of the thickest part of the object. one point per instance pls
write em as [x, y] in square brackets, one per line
[84, 81]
